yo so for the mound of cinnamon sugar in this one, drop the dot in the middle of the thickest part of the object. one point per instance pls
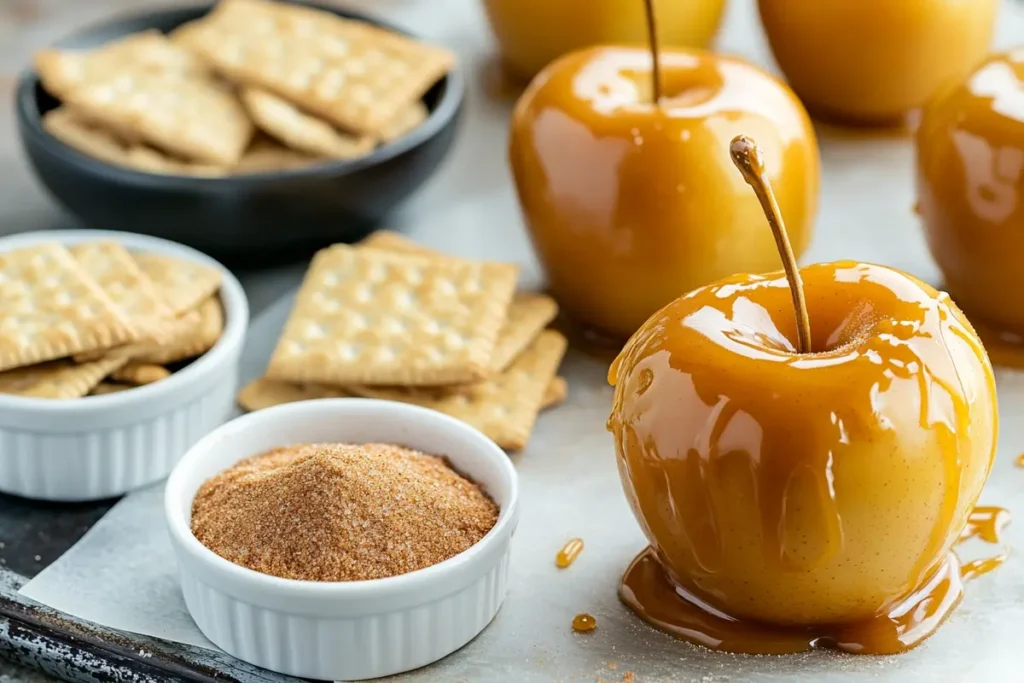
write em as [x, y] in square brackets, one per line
[340, 512]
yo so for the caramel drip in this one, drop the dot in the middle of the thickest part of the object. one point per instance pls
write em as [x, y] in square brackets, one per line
[583, 623]
[569, 552]
[650, 592]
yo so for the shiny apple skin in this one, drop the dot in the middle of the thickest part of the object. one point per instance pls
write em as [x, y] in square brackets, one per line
[970, 181]
[804, 489]
[533, 33]
[630, 205]
[872, 61]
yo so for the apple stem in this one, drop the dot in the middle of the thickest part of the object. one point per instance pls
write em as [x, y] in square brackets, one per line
[747, 157]
[652, 35]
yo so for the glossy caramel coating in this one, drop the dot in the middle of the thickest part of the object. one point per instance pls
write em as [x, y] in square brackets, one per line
[872, 61]
[630, 204]
[804, 489]
[970, 181]
[533, 33]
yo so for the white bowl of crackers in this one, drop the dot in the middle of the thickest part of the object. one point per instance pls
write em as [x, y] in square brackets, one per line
[343, 539]
[117, 353]
[215, 125]
[390, 319]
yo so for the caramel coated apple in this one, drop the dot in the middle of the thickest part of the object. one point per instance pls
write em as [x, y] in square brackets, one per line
[631, 203]
[970, 179]
[813, 489]
[533, 33]
[871, 61]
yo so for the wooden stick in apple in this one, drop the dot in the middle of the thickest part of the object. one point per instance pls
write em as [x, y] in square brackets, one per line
[747, 157]
[652, 35]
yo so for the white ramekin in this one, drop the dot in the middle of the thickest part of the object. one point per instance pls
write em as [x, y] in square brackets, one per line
[103, 446]
[359, 629]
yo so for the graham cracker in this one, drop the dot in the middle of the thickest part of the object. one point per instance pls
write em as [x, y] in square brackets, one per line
[556, 393]
[109, 388]
[52, 308]
[114, 269]
[265, 154]
[190, 116]
[265, 393]
[90, 138]
[355, 75]
[504, 407]
[528, 313]
[369, 316]
[58, 379]
[408, 118]
[199, 338]
[61, 71]
[140, 373]
[284, 121]
[183, 284]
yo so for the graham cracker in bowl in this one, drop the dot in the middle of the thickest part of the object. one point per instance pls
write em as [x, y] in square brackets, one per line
[368, 316]
[138, 374]
[406, 120]
[285, 122]
[265, 154]
[61, 71]
[53, 309]
[190, 116]
[355, 75]
[62, 379]
[183, 284]
[203, 332]
[96, 141]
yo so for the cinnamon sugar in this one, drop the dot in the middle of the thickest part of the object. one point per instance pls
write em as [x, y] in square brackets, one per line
[340, 512]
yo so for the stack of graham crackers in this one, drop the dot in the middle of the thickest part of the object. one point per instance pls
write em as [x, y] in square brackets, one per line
[253, 86]
[390, 319]
[95, 318]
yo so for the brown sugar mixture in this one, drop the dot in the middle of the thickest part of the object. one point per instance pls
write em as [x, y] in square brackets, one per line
[340, 512]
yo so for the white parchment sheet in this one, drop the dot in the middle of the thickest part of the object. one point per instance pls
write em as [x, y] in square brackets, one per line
[122, 574]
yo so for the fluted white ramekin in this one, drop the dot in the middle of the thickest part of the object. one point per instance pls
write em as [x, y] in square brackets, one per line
[347, 630]
[103, 446]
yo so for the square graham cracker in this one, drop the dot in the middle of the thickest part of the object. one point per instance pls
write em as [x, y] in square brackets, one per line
[368, 316]
[183, 284]
[265, 154]
[528, 313]
[61, 71]
[52, 308]
[193, 117]
[504, 407]
[93, 139]
[353, 74]
[58, 379]
[284, 121]
[114, 269]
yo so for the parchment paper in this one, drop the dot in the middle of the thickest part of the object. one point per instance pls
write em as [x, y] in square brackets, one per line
[122, 573]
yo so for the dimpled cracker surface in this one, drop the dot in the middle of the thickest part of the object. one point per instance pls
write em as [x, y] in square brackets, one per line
[115, 271]
[63, 70]
[58, 379]
[197, 338]
[191, 116]
[51, 308]
[368, 316]
[504, 407]
[353, 74]
[89, 138]
[286, 122]
[528, 313]
[183, 284]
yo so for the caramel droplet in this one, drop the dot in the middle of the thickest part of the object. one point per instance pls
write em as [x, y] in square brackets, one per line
[569, 552]
[583, 623]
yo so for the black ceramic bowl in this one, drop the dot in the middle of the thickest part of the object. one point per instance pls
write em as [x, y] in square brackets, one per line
[259, 215]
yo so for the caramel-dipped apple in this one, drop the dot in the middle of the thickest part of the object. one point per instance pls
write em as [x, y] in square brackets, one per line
[533, 33]
[970, 180]
[620, 159]
[872, 61]
[802, 453]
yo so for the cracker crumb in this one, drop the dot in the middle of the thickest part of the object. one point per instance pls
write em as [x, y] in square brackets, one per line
[340, 512]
